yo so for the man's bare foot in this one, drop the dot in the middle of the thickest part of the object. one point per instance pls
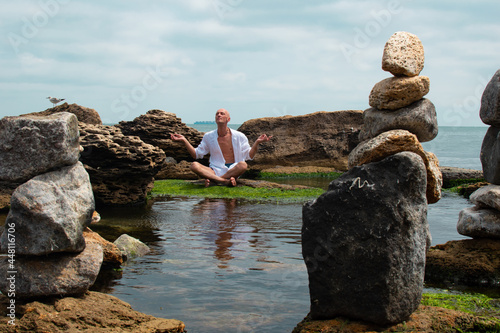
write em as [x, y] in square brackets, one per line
[232, 182]
[207, 182]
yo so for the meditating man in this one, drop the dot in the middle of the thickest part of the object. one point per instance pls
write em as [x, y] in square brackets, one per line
[228, 149]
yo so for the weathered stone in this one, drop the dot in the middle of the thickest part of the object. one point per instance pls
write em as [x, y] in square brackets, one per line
[397, 92]
[490, 155]
[54, 274]
[403, 54]
[479, 222]
[131, 247]
[490, 102]
[85, 115]
[32, 145]
[121, 168]
[364, 242]
[419, 118]
[155, 128]
[319, 139]
[393, 142]
[50, 211]
[111, 253]
[174, 170]
[451, 174]
[468, 262]
[487, 196]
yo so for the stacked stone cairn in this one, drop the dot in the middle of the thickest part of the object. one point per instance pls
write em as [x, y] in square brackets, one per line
[43, 233]
[364, 241]
[483, 220]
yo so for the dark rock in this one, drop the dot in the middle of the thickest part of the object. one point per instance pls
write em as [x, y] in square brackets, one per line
[49, 213]
[155, 128]
[418, 118]
[84, 115]
[490, 155]
[54, 274]
[479, 222]
[469, 262]
[33, 145]
[364, 242]
[322, 139]
[490, 102]
[121, 168]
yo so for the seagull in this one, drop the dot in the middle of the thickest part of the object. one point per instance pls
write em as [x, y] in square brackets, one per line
[54, 100]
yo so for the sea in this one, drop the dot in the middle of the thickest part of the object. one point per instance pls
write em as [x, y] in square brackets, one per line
[235, 265]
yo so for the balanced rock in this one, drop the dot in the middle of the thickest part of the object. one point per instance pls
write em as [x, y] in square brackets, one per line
[364, 242]
[33, 145]
[84, 114]
[50, 211]
[393, 142]
[418, 118]
[403, 54]
[490, 102]
[477, 222]
[487, 196]
[322, 139]
[155, 128]
[54, 274]
[397, 92]
[490, 155]
[121, 167]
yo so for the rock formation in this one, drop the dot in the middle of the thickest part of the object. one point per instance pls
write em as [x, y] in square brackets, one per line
[322, 139]
[83, 114]
[483, 220]
[121, 167]
[365, 240]
[48, 212]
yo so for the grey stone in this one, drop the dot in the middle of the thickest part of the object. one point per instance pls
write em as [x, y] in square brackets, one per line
[418, 118]
[487, 196]
[131, 247]
[403, 54]
[490, 102]
[32, 145]
[54, 274]
[364, 242]
[50, 211]
[479, 222]
[490, 155]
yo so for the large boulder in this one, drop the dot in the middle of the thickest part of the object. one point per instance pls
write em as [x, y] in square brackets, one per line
[479, 222]
[397, 92]
[490, 155]
[403, 54]
[364, 242]
[418, 118]
[84, 114]
[32, 145]
[319, 139]
[490, 102]
[49, 212]
[54, 274]
[155, 128]
[487, 196]
[121, 167]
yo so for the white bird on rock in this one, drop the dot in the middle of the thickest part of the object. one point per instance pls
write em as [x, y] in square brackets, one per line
[54, 100]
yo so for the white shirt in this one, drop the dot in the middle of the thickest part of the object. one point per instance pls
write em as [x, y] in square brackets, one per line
[210, 145]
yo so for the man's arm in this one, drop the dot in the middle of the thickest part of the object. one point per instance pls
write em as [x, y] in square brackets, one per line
[255, 147]
[189, 147]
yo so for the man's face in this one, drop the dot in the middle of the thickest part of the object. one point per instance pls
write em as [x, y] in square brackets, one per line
[222, 116]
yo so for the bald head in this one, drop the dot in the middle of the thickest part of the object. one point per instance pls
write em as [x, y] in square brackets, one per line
[222, 116]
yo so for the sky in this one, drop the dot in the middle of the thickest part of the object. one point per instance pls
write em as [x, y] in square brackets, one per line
[255, 58]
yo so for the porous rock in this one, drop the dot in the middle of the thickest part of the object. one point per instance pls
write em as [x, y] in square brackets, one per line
[393, 142]
[364, 242]
[322, 139]
[490, 155]
[121, 167]
[479, 222]
[490, 102]
[397, 92]
[54, 274]
[50, 211]
[403, 54]
[32, 145]
[418, 118]
[84, 114]
[112, 255]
